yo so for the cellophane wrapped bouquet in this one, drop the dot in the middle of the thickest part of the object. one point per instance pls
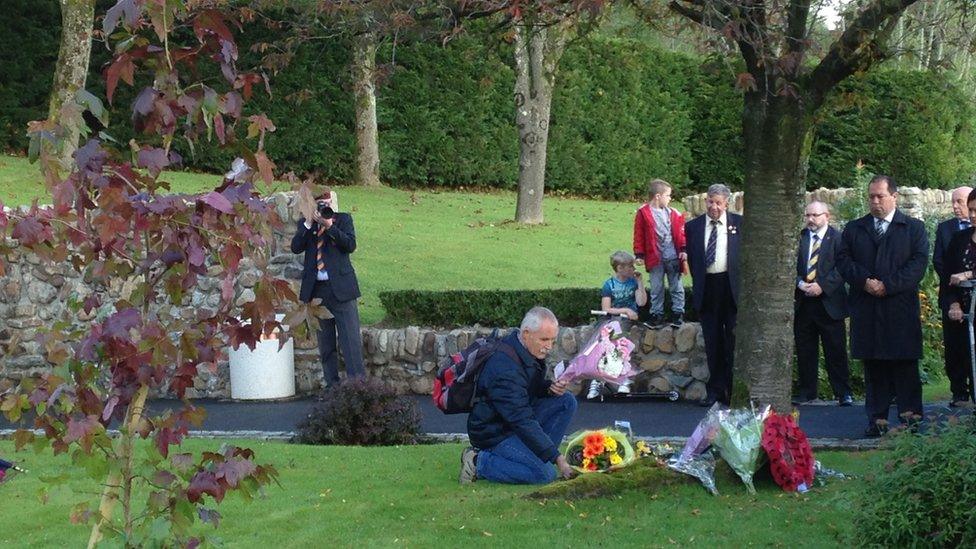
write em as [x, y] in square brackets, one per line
[599, 450]
[605, 357]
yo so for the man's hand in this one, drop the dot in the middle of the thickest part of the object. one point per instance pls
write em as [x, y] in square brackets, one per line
[874, 287]
[813, 289]
[683, 256]
[955, 312]
[565, 470]
[959, 278]
[322, 221]
[558, 387]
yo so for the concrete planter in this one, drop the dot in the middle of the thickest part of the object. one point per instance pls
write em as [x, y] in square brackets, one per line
[264, 373]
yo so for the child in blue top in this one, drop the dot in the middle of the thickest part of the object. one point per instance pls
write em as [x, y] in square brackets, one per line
[621, 294]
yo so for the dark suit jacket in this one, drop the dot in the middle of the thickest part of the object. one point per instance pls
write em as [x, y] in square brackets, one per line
[695, 233]
[340, 242]
[943, 235]
[834, 295]
[955, 253]
[885, 328]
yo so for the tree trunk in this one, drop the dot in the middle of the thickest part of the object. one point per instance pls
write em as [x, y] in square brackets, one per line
[777, 144]
[364, 89]
[77, 22]
[537, 53]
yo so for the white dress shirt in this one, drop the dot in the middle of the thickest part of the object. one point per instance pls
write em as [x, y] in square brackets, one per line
[721, 264]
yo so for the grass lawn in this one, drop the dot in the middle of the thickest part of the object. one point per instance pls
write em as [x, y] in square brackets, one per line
[409, 496]
[441, 240]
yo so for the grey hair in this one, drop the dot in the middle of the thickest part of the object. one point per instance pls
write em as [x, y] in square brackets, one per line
[532, 321]
[720, 190]
[826, 206]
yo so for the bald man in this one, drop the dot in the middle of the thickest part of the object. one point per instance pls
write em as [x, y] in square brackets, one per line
[820, 307]
[953, 333]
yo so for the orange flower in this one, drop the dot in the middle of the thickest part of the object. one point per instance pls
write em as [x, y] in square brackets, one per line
[594, 439]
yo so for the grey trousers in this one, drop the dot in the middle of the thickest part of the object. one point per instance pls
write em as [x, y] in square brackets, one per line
[345, 324]
[672, 270]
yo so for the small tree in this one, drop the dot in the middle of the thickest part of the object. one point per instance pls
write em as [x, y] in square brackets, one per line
[112, 223]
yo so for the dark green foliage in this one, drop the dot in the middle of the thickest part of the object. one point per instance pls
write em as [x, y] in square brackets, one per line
[925, 494]
[716, 138]
[361, 412]
[496, 308]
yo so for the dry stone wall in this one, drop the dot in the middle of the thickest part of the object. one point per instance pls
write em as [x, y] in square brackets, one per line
[34, 294]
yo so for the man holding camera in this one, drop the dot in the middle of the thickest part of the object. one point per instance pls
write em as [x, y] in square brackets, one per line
[327, 239]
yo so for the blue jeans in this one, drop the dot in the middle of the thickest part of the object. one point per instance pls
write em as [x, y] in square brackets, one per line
[511, 461]
[670, 269]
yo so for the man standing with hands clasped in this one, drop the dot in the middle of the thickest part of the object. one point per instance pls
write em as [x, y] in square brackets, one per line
[820, 307]
[327, 238]
[883, 257]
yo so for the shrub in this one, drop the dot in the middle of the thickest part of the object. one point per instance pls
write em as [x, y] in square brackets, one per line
[925, 494]
[362, 412]
[498, 308]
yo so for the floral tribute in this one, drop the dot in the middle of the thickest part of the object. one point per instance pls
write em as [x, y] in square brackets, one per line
[599, 451]
[790, 455]
[606, 357]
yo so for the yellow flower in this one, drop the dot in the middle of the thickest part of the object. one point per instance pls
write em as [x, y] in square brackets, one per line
[610, 443]
[615, 459]
[586, 462]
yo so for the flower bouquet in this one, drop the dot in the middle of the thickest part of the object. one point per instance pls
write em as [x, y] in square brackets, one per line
[790, 456]
[599, 451]
[605, 357]
[739, 439]
[697, 458]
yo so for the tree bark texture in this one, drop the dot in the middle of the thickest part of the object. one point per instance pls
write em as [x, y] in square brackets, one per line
[364, 90]
[77, 22]
[776, 135]
[537, 53]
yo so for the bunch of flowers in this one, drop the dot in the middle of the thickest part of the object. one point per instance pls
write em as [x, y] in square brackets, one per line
[605, 357]
[790, 456]
[599, 451]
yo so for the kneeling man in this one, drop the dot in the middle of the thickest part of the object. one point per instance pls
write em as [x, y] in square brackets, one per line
[519, 417]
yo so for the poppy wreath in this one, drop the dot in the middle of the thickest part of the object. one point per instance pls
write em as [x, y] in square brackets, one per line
[790, 455]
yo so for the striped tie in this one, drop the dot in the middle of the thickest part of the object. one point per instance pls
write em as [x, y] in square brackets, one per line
[814, 256]
[712, 244]
[879, 227]
[320, 256]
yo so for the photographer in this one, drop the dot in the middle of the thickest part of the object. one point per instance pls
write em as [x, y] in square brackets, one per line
[327, 239]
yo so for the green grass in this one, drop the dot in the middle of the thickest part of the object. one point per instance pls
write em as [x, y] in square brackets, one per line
[409, 496]
[441, 240]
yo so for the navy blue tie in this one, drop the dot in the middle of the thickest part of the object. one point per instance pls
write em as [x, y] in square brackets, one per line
[712, 243]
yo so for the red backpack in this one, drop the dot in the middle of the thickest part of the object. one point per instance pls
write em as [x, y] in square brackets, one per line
[457, 376]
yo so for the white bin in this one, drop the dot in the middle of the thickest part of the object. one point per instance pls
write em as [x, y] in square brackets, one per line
[263, 373]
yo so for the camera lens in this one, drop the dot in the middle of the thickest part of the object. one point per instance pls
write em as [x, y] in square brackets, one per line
[326, 211]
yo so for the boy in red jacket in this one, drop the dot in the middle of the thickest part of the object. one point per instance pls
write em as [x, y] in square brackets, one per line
[659, 244]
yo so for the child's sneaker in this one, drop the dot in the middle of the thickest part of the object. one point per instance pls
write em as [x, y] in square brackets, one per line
[624, 388]
[678, 320]
[596, 387]
[656, 322]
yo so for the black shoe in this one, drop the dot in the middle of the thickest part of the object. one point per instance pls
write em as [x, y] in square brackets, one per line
[877, 429]
[656, 321]
[678, 320]
[846, 400]
[802, 400]
[707, 402]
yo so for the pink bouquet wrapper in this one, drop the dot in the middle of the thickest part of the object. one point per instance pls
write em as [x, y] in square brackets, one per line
[605, 357]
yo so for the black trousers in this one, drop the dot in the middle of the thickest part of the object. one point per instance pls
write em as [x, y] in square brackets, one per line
[346, 326]
[881, 377]
[717, 315]
[957, 359]
[812, 326]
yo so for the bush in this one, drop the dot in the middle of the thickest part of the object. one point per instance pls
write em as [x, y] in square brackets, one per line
[362, 412]
[498, 308]
[925, 494]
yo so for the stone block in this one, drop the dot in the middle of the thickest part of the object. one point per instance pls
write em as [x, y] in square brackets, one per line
[664, 340]
[411, 339]
[248, 279]
[695, 391]
[384, 339]
[41, 293]
[652, 364]
[684, 337]
[430, 343]
[679, 381]
[647, 342]
[680, 366]
[11, 291]
[247, 295]
[659, 384]
[428, 366]
[567, 341]
[699, 369]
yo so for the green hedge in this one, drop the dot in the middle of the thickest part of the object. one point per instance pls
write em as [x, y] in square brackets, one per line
[624, 111]
[497, 308]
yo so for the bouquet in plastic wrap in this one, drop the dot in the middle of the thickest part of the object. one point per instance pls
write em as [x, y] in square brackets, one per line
[696, 458]
[599, 450]
[790, 456]
[739, 441]
[606, 357]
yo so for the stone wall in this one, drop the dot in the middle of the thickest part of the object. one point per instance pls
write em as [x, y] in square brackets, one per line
[34, 294]
[912, 200]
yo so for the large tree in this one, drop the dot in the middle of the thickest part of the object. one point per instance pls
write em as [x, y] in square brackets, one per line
[71, 71]
[785, 83]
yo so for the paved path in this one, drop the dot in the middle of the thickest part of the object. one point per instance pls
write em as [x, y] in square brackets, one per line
[652, 418]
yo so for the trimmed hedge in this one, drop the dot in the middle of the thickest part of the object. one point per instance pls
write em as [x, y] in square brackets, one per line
[497, 308]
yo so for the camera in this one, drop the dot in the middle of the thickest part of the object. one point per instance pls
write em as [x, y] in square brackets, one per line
[326, 211]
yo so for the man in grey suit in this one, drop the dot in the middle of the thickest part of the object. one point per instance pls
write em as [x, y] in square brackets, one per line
[327, 240]
[820, 307]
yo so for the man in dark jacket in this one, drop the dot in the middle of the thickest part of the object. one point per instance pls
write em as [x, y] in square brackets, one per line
[954, 334]
[883, 257]
[327, 240]
[820, 307]
[713, 258]
[519, 418]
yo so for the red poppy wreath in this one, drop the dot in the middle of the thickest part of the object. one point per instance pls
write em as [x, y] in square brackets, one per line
[790, 455]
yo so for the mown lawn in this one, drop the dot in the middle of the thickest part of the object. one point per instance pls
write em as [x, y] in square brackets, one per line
[441, 240]
[409, 496]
